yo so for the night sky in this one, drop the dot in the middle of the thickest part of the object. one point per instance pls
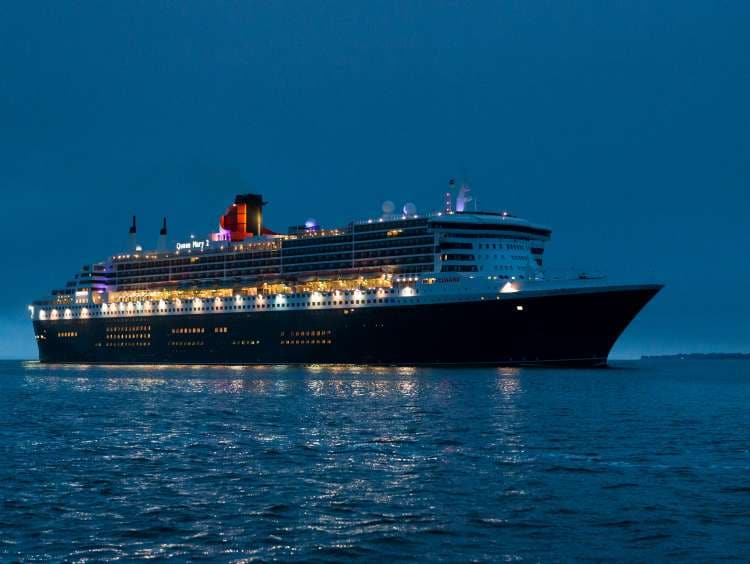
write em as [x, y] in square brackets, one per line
[623, 126]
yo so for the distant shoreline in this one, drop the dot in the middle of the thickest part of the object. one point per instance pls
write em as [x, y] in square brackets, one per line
[698, 356]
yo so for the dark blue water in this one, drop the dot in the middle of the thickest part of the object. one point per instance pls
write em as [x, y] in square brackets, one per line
[646, 460]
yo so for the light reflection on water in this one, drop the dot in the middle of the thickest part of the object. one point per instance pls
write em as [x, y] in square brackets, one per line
[344, 462]
[259, 380]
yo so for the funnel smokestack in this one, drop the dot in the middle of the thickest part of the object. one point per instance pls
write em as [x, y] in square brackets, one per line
[244, 218]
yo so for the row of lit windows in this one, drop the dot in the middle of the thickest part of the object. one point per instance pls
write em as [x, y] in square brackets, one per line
[201, 269]
[233, 254]
[304, 296]
[326, 256]
[221, 329]
[128, 336]
[67, 333]
[500, 246]
[188, 330]
[317, 333]
[292, 295]
[487, 236]
[178, 264]
[258, 306]
[307, 342]
[424, 262]
[185, 343]
[246, 342]
[445, 268]
[340, 302]
[128, 344]
[137, 278]
[114, 312]
[503, 267]
[344, 250]
[141, 283]
[130, 328]
[455, 256]
[501, 276]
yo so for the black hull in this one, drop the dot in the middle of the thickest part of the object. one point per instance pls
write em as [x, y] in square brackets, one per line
[563, 328]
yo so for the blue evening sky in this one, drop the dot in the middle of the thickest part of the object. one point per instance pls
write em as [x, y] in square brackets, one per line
[624, 126]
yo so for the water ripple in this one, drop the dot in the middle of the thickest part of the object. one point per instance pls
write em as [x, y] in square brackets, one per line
[318, 463]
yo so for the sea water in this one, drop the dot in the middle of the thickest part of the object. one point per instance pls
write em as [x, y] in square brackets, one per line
[644, 460]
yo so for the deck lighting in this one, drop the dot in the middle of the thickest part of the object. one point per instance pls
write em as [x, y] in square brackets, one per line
[508, 288]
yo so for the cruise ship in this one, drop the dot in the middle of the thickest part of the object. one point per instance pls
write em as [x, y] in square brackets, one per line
[454, 287]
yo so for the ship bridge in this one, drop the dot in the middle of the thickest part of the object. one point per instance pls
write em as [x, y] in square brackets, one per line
[496, 244]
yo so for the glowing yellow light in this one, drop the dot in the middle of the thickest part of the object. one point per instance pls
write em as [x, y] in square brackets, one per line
[508, 288]
[519, 308]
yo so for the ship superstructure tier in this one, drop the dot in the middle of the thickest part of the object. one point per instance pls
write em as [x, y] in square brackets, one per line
[443, 288]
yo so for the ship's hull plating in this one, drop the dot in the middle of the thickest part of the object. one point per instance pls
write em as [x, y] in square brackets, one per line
[577, 328]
